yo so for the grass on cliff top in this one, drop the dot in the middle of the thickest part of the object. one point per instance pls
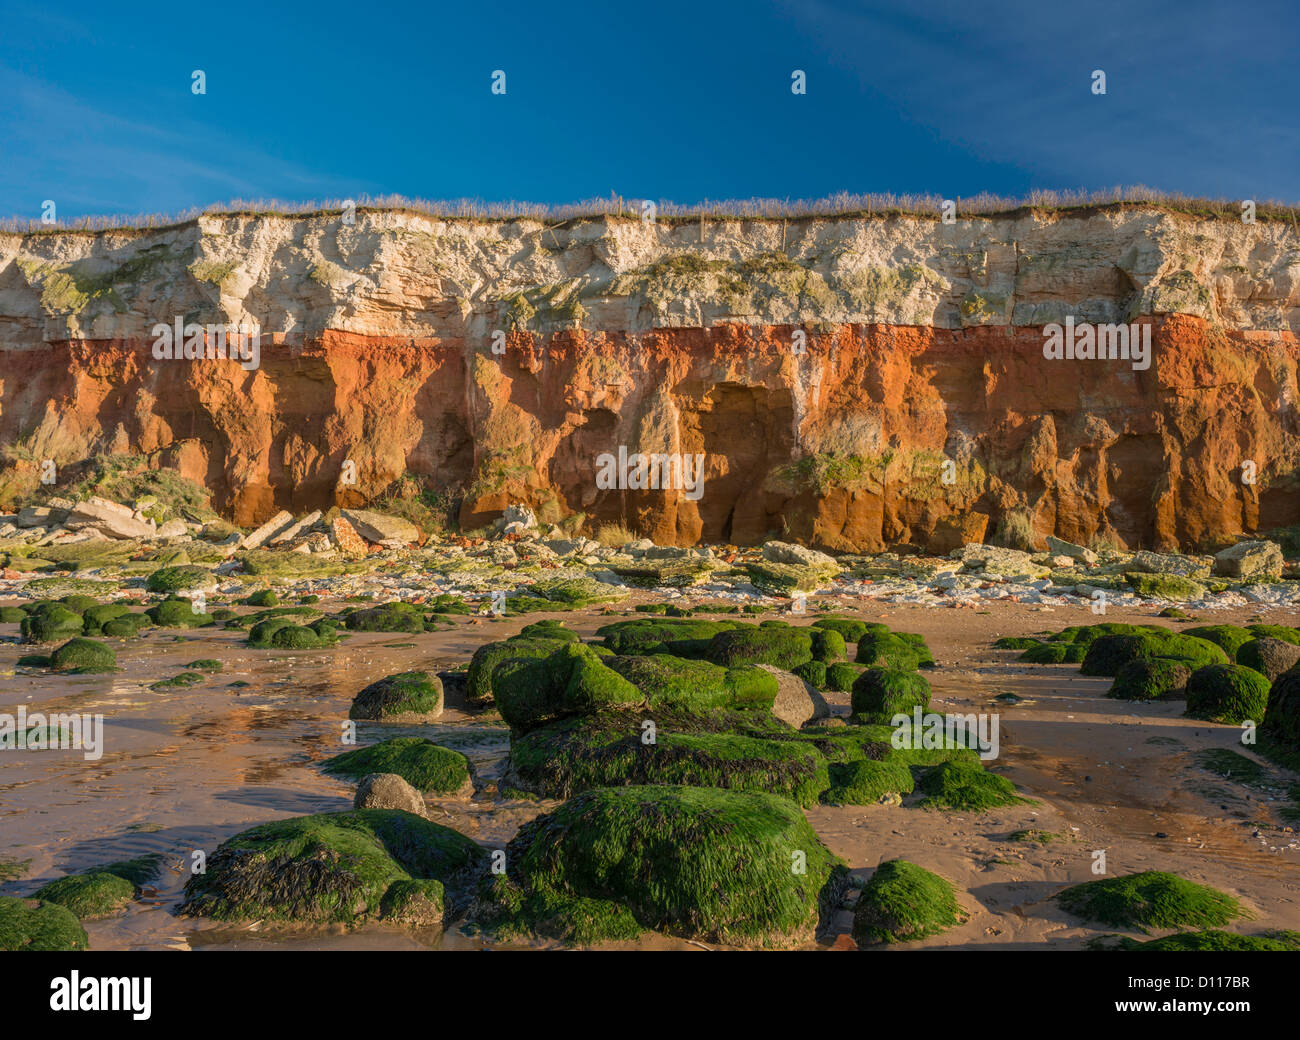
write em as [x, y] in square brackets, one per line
[127, 479]
[840, 204]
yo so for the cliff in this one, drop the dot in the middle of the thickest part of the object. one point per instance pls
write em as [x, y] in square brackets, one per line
[828, 369]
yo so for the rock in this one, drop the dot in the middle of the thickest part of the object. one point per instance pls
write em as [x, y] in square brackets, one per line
[268, 530]
[564, 546]
[34, 516]
[1270, 657]
[388, 791]
[1170, 563]
[1249, 560]
[796, 702]
[392, 532]
[1060, 547]
[410, 697]
[114, 520]
[172, 529]
[796, 555]
[295, 529]
[346, 538]
[995, 560]
[519, 515]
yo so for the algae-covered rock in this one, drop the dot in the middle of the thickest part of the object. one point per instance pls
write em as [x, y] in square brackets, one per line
[50, 623]
[1107, 654]
[94, 618]
[704, 863]
[1282, 718]
[283, 633]
[404, 697]
[841, 677]
[1150, 679]
[890, 650]
[83, 656]
[1165, 586]
[181, 579]
[1055, 653]
[178, 613]
[420, 762]
[1282, 632]
[612, 750]
[852, 629]
[332, 867]
[881, 693]
[27, 924]
[902, 903]
[574, 680]
[963, 786]
[1228, 693]
[813, 673]
[869, 781]
[642, 636]
[478, 680]
[1017, 643]
[1229, 638]
[1151, 899]
[778, 645]
[388, 617]
[90, 895]
[1210, 940]
[697, 687]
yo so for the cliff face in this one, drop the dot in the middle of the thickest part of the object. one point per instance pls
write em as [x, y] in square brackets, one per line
[851, 383]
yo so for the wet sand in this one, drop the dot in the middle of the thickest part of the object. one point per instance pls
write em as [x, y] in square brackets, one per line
[184, 769]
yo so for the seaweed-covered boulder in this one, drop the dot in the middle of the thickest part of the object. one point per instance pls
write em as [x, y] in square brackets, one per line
[404, 697]
[284, 633]
[27, 924]
[1017, 643]
[1228, 693]
[697, 687]
[94, 618]
[851, 629]
[610, 750]
[902, 903]
[478, 679]
[1270, 657]
[888, 650]
[90, 895]
[735, 867]
[388, 617]
[548, 628]
[178, 613]
[126, 626]
[643, 636]
[1229, 638]
[1058, 652]
[50, 623]
[1151, 899]
[263, 598]
[181, 579]
[782, 646]
[333, 867]
[1150, 679]
[574, 680]
[1283, 632]
[813, 673]
[387, 791]
[424, 765]
[881, 693]
[841, 677]
[827, 645]
[101, 891]
[83, 656]
[964, 786]
[1109, 653]
[868, 781]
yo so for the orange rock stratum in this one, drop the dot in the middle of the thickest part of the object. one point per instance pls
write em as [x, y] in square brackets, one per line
[851, 383]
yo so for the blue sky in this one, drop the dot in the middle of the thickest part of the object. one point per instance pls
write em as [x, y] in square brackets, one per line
[677, 100]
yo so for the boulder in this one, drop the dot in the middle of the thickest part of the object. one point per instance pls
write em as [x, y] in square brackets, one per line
[796, 555]
[264, 533]
[1059, 547]
[346, 538]
[387, 791]
[296, 528]
[34, 516]
[796, 701]
[392, 532]
[1170, 563]
[1249, 560]
[519, 515]
[172, 529]
[994, 559]
[114, 520]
